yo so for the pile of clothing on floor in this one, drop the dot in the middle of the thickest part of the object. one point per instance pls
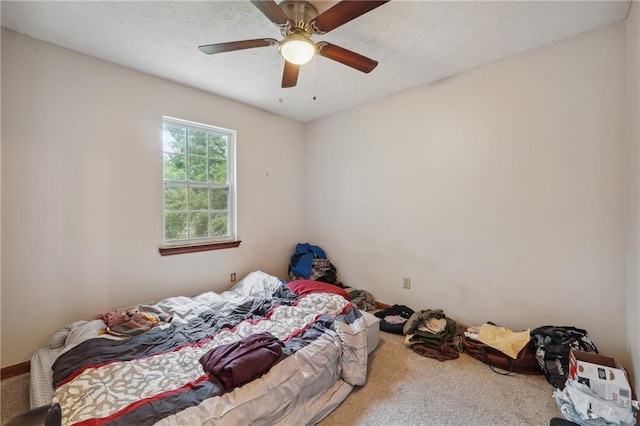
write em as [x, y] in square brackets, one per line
[427, 332]
[361, 298]
[310, 262]
[432, 334]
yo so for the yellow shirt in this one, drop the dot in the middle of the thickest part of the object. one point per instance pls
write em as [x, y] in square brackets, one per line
[504, 339]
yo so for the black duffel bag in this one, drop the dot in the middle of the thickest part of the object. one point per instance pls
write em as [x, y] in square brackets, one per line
[553, 345]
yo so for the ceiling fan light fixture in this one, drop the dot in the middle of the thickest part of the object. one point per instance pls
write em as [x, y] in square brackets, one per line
[297, 49]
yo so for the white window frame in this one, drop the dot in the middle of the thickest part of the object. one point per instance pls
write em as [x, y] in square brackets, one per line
[230, 184]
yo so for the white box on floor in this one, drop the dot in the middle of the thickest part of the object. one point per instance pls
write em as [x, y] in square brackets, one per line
[602, 374]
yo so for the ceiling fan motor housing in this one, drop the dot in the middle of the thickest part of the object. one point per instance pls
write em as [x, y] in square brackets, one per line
[300, 14]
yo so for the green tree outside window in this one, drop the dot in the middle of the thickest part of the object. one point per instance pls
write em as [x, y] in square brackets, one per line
[197, 203]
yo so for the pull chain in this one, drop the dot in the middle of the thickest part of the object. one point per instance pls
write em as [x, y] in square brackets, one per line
[314, 77]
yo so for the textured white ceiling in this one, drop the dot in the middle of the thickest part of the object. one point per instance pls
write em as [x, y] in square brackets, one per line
[416, 42]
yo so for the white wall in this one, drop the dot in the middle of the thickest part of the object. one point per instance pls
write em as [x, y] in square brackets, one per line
[633, 123]
[501, 192]
[81, 191]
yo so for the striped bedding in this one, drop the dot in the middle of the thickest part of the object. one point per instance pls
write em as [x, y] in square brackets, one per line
[156, 378]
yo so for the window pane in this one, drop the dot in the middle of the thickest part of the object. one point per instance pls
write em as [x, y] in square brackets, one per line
[175, 226]
[175, 198]
[198, 198]
[217, 171]
[173, 139]
[219, 198]
[197, 142]
[218, 146]
[198, 225]
[219, 225]
[174, 166]
[198, 181]
[197, 169]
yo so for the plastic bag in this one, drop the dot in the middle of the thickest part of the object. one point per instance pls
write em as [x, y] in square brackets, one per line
[581, 405]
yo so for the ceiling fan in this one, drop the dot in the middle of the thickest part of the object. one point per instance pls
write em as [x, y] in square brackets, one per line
[298, 21]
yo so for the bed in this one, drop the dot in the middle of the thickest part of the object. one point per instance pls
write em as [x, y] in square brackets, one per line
[156, 377]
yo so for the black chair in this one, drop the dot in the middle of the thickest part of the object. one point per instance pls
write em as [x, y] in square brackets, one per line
[557, 421]
[47, 415]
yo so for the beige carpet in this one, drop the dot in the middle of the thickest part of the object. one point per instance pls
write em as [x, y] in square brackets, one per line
[14, 396]
[406, 389]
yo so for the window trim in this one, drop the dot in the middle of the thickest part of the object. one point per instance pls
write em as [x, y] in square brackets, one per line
[194, 248]
[207, 243]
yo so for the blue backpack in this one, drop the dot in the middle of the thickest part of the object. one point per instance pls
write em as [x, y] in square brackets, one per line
[302, 260]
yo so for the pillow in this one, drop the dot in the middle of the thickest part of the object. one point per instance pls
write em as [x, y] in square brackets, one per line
[85, 330]
[304, 287]
[59, 339]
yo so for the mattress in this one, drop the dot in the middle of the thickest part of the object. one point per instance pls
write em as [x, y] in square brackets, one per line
[307, 401]
[373, 330]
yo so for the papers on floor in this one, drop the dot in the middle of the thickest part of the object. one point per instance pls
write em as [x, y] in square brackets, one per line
[596, 392]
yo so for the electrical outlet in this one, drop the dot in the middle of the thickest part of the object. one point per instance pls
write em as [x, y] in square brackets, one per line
[233, 277]
[406, 282]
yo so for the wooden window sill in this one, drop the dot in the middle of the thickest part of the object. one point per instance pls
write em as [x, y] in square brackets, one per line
[170, 251]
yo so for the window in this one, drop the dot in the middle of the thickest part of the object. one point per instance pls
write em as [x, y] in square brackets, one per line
[198, 183]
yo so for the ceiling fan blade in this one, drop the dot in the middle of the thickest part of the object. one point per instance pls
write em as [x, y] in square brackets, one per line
[210, 49]
[343, 12]
[290, 74]
[346, 57]
[271, 10]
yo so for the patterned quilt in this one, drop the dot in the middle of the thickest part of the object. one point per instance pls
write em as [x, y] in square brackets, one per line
[156, 377]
